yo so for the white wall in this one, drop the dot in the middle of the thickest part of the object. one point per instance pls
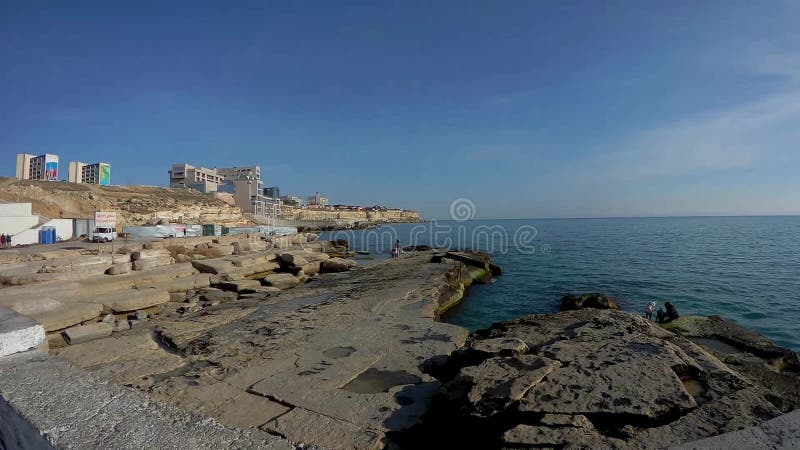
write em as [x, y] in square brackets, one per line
[31, 235]
[14, 209]
[14, 225]
[16, 217]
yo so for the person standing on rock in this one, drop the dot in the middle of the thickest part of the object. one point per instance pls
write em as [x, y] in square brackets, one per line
[648, 312]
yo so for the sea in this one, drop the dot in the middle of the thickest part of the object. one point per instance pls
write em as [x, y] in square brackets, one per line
[745, 269]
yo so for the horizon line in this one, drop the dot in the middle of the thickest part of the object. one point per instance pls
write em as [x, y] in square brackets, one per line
[679, 216]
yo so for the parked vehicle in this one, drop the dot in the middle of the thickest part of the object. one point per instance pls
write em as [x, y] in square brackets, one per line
[105, 226]
[104, 234]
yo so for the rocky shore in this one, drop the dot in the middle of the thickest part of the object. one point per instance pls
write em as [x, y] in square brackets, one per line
[602, 378]
[285, 338]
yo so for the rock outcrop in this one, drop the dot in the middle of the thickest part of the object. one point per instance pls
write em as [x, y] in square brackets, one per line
[597, 301]
[597, 378]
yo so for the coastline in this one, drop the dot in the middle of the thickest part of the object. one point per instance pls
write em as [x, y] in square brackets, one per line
[360, 359]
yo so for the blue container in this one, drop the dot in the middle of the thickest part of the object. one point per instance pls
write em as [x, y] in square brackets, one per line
[47, 235]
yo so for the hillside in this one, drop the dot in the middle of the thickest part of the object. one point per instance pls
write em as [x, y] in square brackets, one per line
[135, 205]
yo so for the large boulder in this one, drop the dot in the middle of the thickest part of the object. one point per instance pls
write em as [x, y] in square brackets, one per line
[217, 250]
[149, 254]
[67, 315]
[337, 265]
[133, 300]
[215, 266]
[86, 333]
[597, 301]
[238, 285]
[281, 280]
[120, 268]
[594, 378]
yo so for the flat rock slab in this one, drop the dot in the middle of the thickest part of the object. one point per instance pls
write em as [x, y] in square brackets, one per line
[322, 430]
[18, 333]
[67, 315]
[281, 280]
[215, 266]
[86, 333]
[67, 407]
[623, 381]
[134, 299]
[122, 358]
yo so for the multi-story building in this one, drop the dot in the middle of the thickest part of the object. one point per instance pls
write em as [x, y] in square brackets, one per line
[199, 178]
[97, 173]
[317, 201]
[240, 173]
[292, 200]
[273, 192]
[250, 197]
[42, 167]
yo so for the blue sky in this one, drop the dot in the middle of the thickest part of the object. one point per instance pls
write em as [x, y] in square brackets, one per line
[529, 108]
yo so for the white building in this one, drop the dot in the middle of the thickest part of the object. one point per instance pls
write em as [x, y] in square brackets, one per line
[200, 178]
[42, 167]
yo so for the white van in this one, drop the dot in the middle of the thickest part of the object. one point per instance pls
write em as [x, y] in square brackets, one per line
[104, 234]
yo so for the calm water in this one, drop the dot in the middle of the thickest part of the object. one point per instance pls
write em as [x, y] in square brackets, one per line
[742, 268]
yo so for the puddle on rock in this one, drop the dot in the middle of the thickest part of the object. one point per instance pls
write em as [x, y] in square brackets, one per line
[373, 381]
[694, 388]
[339, 352]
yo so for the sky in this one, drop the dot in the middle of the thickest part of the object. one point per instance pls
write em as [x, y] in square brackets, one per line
[526, 108]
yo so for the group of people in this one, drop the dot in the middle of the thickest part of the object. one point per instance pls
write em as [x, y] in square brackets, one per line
[5, 240]
[661, 316]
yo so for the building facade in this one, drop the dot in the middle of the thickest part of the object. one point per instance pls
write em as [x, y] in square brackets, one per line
[317, 201]
[273, 192]
[240, 173]
[75, 174]
[190, 177]
[42, 167]
[97, 173]
[292, 200]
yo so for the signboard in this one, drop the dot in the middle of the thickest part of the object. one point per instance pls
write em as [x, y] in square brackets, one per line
[51, 170]
[105, 174]
[105, 219]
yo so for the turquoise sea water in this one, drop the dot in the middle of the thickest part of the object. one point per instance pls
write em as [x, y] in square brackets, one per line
[742, 268]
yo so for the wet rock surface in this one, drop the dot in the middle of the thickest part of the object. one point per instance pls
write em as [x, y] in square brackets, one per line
[595, 378]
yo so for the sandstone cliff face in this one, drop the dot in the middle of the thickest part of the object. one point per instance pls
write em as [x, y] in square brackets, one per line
[392, 215]
[602, 378]
[135, 205]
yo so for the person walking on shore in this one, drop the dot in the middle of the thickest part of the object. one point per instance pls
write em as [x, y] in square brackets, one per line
[3, 240]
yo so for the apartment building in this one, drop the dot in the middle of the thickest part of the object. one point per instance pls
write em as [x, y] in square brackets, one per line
[97, 173]
[32, 167]
[199, 178]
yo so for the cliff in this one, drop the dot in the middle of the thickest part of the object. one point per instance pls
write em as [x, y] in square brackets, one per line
[345, 217]
[135, 205]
